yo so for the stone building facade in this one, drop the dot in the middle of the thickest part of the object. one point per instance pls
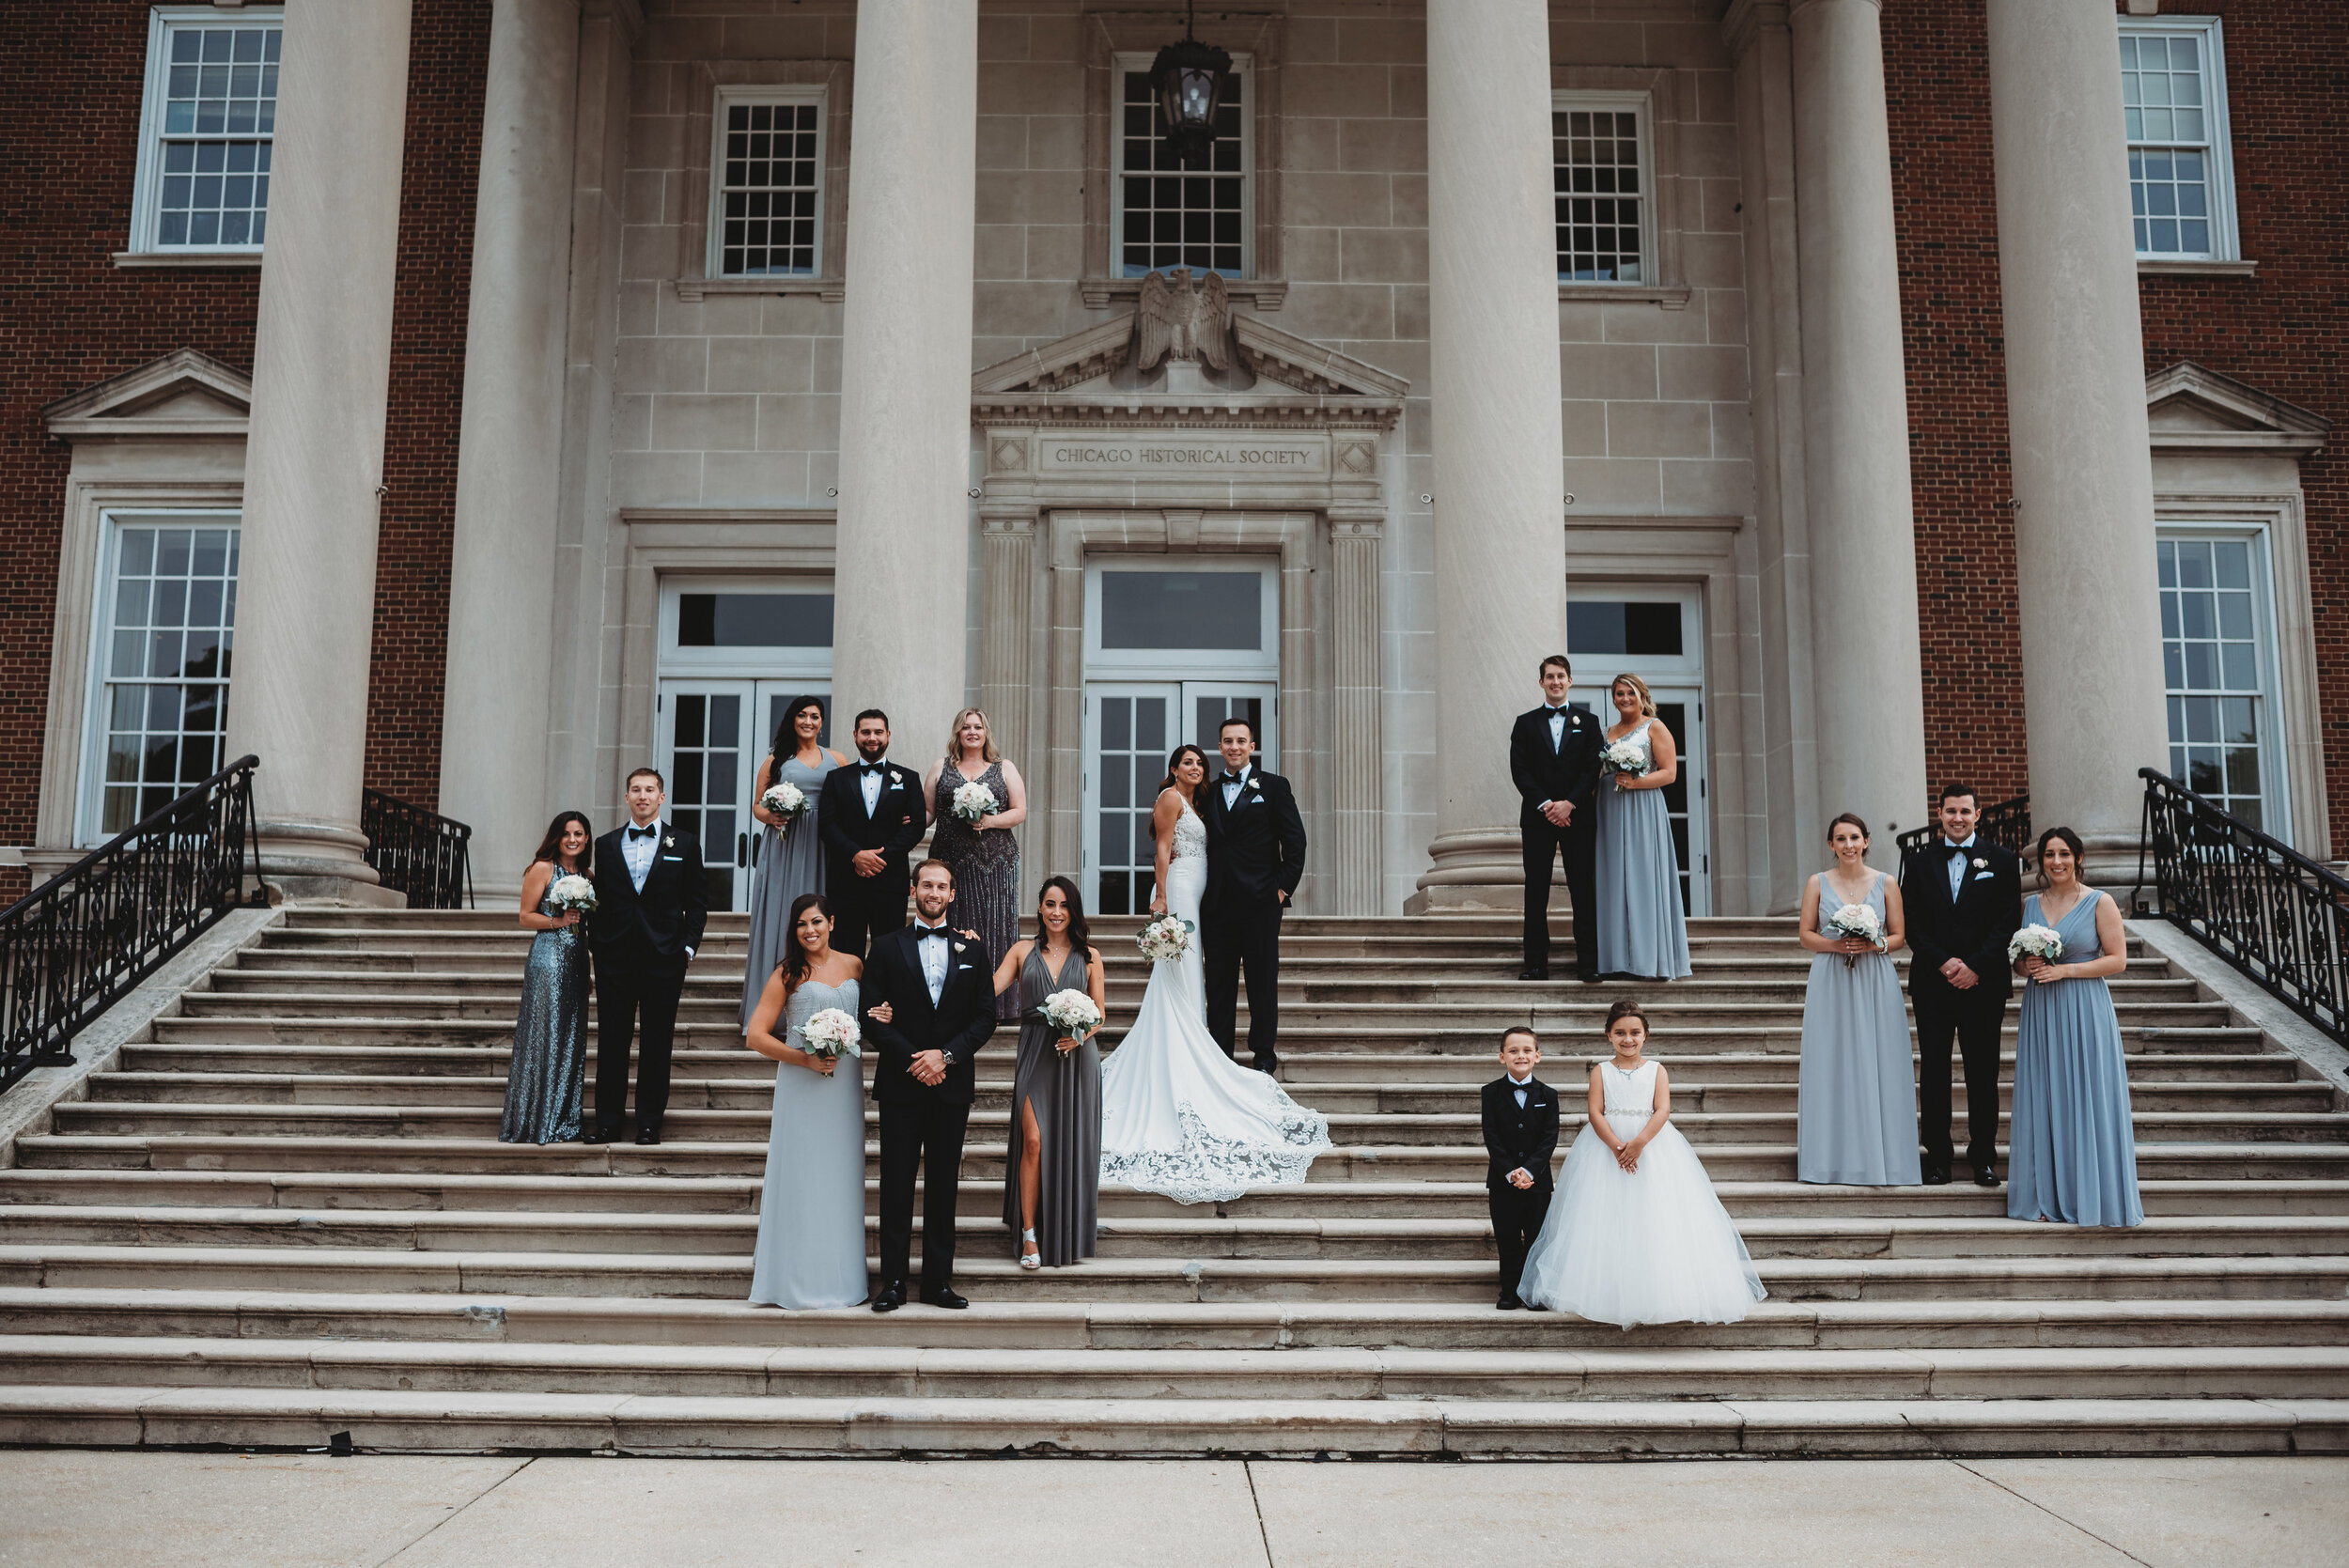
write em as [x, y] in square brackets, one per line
[1693, 336]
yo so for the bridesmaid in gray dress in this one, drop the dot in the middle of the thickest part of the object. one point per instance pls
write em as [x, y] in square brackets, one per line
[1856, 1110]
[811, 1210]
[1641, 932]
[549, 1059]
[2071, 1143]
[985, 856]
[1054, 1164]
[790, 857]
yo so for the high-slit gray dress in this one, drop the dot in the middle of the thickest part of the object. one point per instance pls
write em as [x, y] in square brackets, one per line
[1066, 1093]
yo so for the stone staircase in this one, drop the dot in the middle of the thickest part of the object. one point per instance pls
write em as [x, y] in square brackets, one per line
[286, 1215]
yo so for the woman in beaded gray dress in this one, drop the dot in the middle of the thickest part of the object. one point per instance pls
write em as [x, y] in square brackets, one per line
[811, 1210]
[1052, 1193]
[790, 859]
[1856, 1103]
[550, 1058]
[1642, 931]
[985, 856]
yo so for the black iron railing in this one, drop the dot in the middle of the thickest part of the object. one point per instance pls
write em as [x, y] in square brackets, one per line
[78, 943]
[417, 852]
[2260, 904]
[2006, 824]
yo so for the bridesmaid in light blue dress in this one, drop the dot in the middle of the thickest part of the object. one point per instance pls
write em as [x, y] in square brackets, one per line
[1856, 1112]
[1641, 932]
[811, 1211]
[2071, 1146]
[790, 857]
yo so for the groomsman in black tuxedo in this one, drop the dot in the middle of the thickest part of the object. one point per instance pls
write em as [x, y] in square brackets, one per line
[1553, 760]
[870, 816]
[1520, 1135]
[651, 903]
[1964, 896]
[940, 988]
[1256, 858]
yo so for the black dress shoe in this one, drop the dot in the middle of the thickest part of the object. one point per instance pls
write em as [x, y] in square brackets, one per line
[944, 1296]
[1534, 971]
[594, 1135]
[1937, 1175]
[649, 1135]
[1268, 1066]
[1509, 1303]
[1985, 1175]
[890, 1296]
[1587, 977]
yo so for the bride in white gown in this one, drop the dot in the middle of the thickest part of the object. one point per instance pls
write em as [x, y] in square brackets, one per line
[1177, 1116]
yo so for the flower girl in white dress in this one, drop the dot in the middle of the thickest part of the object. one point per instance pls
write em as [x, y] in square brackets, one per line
[1636, 1234]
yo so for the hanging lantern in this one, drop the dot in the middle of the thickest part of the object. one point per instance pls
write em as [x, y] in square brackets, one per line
[1188, 80]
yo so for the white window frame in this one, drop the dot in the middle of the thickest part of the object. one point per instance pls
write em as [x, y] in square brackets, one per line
[1243, 72]
[2274, 749]
[749, 663]
[1263, 662]
[726, 95]
[1642, 105]
[2225, 243]
[146, 184]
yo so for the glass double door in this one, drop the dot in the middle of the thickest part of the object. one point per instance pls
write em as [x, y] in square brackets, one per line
[1130, 729]
[711, 737]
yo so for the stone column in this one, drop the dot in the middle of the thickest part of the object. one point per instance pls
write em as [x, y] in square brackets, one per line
[1007, 593]
[494, 715]
[1357, 759]
[901, 591]
[314, 459]
[1492, 274]
[2076, 415]
[1867, 673]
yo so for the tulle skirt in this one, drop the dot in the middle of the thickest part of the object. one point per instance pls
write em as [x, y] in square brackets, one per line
[1651, 1246]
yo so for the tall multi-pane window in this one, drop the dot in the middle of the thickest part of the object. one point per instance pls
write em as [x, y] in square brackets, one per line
[2216, 650]
[211, 112]
[1165, 215]
[167, 614]
[767, 174]
[1600, 176]
[2174, 102]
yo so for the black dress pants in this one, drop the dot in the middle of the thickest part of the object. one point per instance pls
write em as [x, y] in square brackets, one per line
[1973, 1018]
[863, 908]
[1579, 845]
[633, 997]
[1235, 933]
[1516, 1220]
[914, 1133]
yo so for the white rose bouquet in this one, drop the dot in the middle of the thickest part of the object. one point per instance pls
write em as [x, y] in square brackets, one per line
[1856, 920]
[787, 800]
[1072, 1013]
[574, 892]
[2035, 942]
[974, 801]
[831, 1032]
[1622, 756]
[1164, 938]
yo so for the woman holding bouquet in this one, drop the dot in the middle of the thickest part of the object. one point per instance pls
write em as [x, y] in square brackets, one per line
[1052, 1198]
[550, 1060]
[1856, 1106]
[1641, 932]
[976, 799]
[811, 1211]
[790, 859]
[2071, 1144]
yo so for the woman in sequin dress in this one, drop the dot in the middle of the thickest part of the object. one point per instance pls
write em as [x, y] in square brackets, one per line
[984, 855]
[550, 1060]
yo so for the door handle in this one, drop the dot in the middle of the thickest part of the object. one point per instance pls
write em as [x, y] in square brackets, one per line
[757, 840]
[742, 850]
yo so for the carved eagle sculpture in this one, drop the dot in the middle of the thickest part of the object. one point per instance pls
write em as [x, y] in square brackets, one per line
[1173, 319]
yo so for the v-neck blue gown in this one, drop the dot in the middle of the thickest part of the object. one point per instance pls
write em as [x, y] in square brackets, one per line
[2071, 1147]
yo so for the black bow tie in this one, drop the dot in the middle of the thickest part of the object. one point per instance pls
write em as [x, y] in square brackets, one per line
[872, 767]
[645, 832]
[925, 933]
[1232, 778]
[1955, 848]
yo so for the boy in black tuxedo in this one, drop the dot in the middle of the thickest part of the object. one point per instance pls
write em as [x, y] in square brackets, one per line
[1553, 761]
[651, 903]
[870, 816]
[1520, 1135]
[1964, 897]
[939, 986]
[1256, 858]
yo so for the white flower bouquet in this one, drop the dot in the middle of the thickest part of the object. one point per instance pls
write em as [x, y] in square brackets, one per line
[974, 801]
[1856, 920]
[1622, 756]
[1072, 1013]
[574, 892]
[787, 800]
[1164, 938]
[2035, 942]
[831, 1032]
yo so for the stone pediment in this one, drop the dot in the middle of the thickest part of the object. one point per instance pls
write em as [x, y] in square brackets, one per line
[183, 394]
[2189, 408]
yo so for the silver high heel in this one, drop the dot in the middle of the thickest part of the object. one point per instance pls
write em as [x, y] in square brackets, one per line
[1029, 1256]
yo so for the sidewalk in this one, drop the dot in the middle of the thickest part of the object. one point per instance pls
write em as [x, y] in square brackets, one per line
[275, 1510]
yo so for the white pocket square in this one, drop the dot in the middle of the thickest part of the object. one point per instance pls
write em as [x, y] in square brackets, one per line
[672, 857]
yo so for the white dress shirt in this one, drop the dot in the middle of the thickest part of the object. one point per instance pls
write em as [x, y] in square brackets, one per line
[638, 853]
[1957, 865]
[1232, 785]
[935, 956]
[1557, 727]
[1518, 1086]
[871, 784]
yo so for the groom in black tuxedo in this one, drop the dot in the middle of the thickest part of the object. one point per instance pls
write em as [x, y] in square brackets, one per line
[939, 987]
[1964, 899]
[651, 903]
[1553, 761]
[870, 816]
[1256, 858]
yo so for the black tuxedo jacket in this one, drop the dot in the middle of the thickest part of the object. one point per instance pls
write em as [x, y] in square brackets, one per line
[657, 926]
[1520, 1139]
[1256, 850]
[1976, 928]
[845, 826]
[958, 1025]
[1570, 774]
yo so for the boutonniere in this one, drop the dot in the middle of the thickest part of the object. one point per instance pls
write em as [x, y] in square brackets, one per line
[959, 947]
[670, 842]
[1255, 788]
[1981, 865]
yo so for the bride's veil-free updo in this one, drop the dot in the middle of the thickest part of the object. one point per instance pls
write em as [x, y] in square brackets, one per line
[1175, 758]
